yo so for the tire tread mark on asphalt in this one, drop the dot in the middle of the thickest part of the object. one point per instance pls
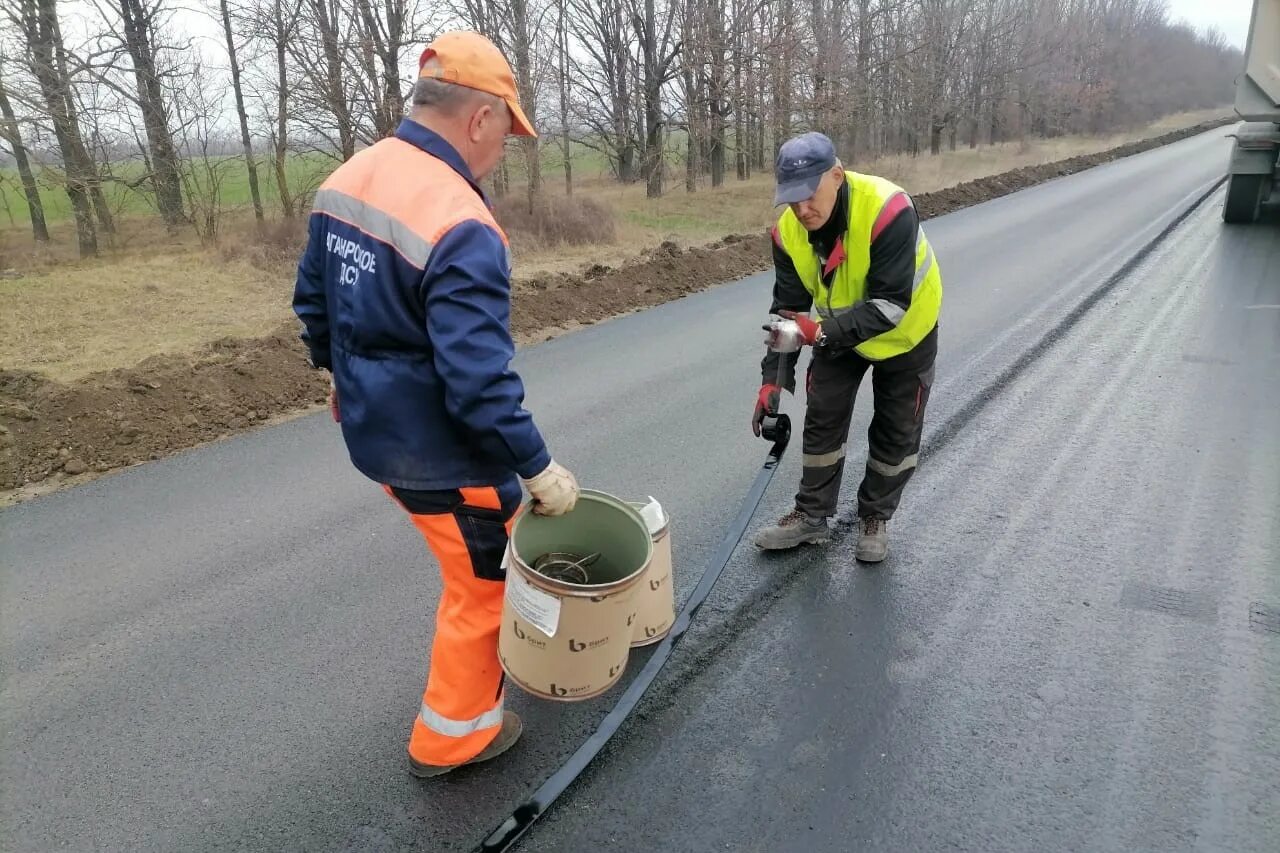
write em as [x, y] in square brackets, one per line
[940, 437]
[1264, 619]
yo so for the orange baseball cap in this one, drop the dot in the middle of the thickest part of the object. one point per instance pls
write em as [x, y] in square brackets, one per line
[469, 59]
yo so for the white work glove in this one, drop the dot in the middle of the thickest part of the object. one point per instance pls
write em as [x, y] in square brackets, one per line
[554, 491]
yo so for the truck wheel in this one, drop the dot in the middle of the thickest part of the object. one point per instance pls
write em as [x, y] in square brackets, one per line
[1244, 198]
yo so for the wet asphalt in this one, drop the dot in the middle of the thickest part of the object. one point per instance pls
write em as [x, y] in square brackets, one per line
[1074, 644]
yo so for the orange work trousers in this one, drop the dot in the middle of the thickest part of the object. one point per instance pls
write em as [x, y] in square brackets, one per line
[467, 530]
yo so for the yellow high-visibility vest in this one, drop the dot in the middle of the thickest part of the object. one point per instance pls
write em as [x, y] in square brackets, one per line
[868, 196]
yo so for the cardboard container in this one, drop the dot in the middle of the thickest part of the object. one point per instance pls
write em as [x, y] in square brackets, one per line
[561, 639]
[654, 604]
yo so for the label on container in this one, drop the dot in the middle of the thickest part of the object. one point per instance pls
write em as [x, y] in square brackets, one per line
[534, 606]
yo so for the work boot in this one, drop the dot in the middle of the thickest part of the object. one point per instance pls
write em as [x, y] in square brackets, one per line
[507, 736]
[873, 544]
[793, 529]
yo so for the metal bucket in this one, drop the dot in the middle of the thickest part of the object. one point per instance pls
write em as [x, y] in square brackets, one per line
[563, 638]
[654, 603]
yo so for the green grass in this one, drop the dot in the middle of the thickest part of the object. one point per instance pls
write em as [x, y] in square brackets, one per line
[304, 172]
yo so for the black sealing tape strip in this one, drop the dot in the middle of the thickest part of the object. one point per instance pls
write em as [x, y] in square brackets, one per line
[518, 823]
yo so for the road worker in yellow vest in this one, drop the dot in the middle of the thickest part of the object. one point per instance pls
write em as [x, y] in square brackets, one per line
[849, 247]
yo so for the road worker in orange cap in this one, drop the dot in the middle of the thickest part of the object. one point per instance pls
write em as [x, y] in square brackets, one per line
[404, 294]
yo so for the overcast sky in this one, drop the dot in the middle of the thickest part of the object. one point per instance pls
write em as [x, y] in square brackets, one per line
[1230, 16]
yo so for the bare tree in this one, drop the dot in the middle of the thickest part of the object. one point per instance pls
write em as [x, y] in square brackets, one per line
[718, 72]
[606, 81]
[562, 80]
[245, 140]
[276, 22]
[140, 22]
[38, 22]
[382, 32]
[523, 28]
[654, 30]
[203, 170]
[318, 50]
[10, 133]
[691, 80]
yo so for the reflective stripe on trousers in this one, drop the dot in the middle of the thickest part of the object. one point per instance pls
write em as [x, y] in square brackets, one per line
[888, 470]
[459, 728]
[823, 460]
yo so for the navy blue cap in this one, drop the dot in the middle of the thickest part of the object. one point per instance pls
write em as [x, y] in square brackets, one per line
[802, 161]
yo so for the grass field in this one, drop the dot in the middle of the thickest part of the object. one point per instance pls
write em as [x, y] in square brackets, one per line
[303, 170]
[154, 292]
[304, 173]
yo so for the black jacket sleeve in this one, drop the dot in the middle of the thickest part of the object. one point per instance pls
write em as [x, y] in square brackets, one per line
[889, 282]
[789, 294]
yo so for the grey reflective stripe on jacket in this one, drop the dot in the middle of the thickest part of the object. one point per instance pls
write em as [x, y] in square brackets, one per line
[375, 223]
[892, 311]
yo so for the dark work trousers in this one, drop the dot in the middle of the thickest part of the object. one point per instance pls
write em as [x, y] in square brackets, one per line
[901, 389]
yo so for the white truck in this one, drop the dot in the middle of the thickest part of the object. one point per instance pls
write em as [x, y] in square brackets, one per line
[1254, 171]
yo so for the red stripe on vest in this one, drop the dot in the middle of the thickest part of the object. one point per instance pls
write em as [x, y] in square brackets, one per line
[895, 205]
[837, 256]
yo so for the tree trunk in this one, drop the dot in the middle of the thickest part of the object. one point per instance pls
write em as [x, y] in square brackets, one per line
[691, 97]
[9, 130]
[93, 183]
[693, 132]
[625, 142]
[562, 57]
[389, 53]
[760, 115]
[335, 94]
[718, 145]
[522, 48]
[501, 180]
[166, 178]
[653, 156]
[40, 22]
[860, 135]
[741, 136]
[281, 146]
[652, 102]
[783, 85]
[380, 54]
[716, 86]
[245, 140]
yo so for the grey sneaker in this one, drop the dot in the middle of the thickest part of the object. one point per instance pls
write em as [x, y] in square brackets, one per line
[792, 530]
[873, 544]
[506, 738]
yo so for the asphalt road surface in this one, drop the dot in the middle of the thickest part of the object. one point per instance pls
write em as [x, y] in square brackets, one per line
[1074, 645]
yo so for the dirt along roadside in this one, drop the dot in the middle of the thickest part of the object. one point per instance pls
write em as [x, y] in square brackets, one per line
[53, 434]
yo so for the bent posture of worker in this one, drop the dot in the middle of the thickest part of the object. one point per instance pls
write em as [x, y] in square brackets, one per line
[851, 246]
[404, 292]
